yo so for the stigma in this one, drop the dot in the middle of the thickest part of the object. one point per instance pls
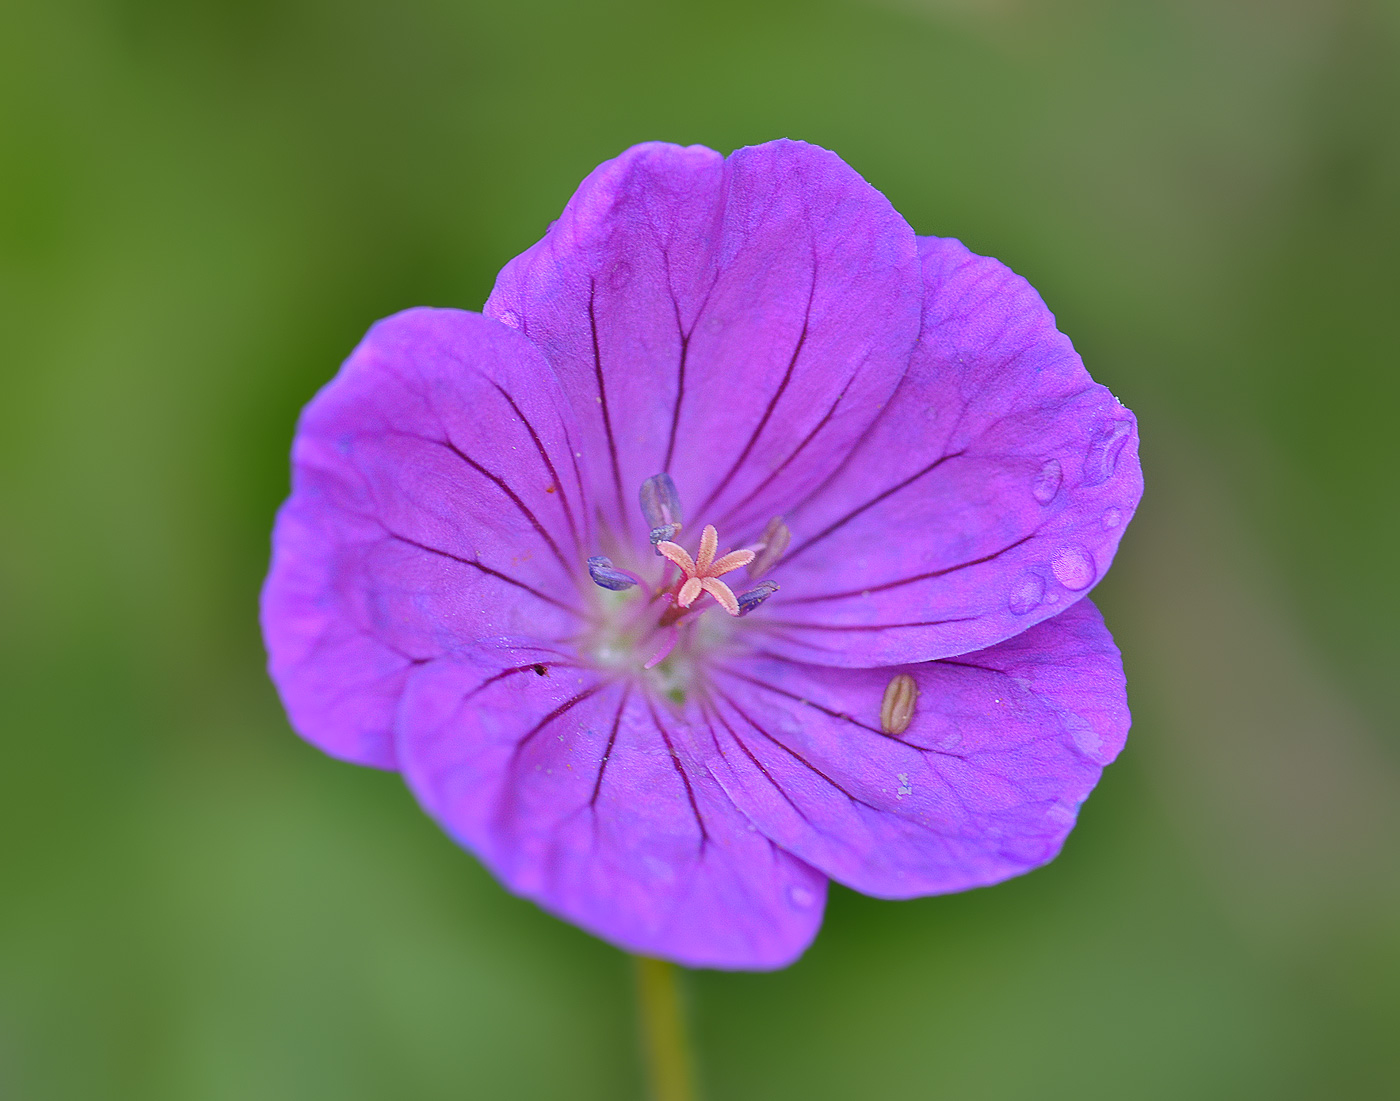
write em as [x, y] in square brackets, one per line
[702, 573]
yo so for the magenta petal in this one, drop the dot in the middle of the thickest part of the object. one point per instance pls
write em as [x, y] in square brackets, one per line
[736, 322]
[990, 495]
[434, 502]
[580, 794]
[984, 784]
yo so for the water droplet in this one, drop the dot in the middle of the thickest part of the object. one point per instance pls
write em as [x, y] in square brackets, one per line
[620, 274]
[1074, 568]
[1025, 598]
[1102, 459]
[511, 318]
[801, 896]
[1112, 517]
[1046, 483]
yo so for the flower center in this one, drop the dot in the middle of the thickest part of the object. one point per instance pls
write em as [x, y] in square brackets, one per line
[654, 625]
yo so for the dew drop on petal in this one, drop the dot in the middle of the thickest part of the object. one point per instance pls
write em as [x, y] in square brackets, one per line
[1111, 518]
[1074, 568]
[1046, 483]
[801, 896]
[1025, 597]
[511, 318]
[1102, 459]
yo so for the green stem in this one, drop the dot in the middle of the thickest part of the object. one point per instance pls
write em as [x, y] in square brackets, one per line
[665, 1044]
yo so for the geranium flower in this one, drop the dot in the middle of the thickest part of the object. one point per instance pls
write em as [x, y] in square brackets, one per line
[742, 542]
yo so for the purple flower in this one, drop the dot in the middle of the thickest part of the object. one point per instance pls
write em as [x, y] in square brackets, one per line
[845, 638]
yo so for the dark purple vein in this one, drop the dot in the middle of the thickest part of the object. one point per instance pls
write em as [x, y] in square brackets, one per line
[603, 400]
[680, 383]
[761, 766]
[911, 580]
[868, 504]
[514, 497]
[548, 462]
[680, 771]
[729, 514]
[971, 665]
[474, 564]
[772, 402]
[563, 708]
[865, 626]
[607, 751]
[797, 756]
[803, 700]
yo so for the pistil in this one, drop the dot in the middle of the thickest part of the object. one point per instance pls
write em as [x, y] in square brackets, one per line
[703, 572]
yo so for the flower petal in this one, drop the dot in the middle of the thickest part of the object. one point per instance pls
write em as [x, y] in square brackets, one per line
[434, 501]
[985, 782]
[735, 322]
[578, 793]
[990, 494]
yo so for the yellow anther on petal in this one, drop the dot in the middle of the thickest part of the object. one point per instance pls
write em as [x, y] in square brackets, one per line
[702, 573]
[897, 707]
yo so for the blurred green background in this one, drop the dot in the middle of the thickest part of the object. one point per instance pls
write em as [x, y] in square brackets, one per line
[203, 206]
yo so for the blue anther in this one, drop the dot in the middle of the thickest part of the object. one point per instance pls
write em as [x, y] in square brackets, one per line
[600, 568]
[663, 533]
[661, 504]
[757, 595]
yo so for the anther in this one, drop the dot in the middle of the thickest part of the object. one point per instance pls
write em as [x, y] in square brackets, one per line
[775, 540]
[661, 504]
[897, 708]
[600, 568]
[757, 595]
[663, 533]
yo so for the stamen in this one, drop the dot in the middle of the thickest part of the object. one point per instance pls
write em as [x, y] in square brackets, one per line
[661, 504]
[757, 595]
[600, 568]
[663, 533]
[897, 708]
[775, 540]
